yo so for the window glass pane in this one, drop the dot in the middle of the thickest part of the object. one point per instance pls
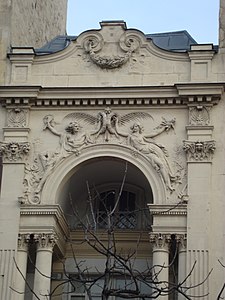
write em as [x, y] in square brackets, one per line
[127, 201]
[107, 200]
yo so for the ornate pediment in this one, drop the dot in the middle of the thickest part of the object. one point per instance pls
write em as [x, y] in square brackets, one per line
[112, 46]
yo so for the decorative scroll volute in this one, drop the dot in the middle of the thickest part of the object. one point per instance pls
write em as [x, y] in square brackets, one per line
[111, 51]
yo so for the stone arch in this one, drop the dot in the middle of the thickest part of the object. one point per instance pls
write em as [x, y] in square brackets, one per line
[66, 168]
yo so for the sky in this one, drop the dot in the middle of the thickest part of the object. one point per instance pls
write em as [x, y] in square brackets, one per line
[198, 17]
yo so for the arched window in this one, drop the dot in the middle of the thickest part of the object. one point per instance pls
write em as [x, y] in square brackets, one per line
[120, 207]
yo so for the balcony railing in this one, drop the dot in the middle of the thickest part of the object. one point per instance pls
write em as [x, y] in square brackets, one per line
[139, 220]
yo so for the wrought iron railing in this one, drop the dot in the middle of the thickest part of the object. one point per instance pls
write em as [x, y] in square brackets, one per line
[139, 220]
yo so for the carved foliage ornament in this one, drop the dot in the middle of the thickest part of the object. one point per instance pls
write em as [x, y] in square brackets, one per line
[16, 118]
[199, 151]
[14, 151]
[23, 241]
[199, 115]
[160, 241]
[107, 126]
[45, 241]
[102, 55]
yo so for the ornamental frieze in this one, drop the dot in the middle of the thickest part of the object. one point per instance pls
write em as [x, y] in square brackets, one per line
[14, 151]
[79, 130]
[199, 150]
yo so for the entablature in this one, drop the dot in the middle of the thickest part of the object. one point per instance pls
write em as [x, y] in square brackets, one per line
[54, 222]
[179, 94]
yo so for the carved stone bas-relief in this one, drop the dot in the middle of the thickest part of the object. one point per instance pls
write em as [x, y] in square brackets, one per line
[199, 151]
[107, 126]
[14, 151]
[35, 176]
[103, 55]
[199, 115]
[16, 117]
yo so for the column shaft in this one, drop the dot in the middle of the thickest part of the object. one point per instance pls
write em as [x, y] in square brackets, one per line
[161, 263]
[21, 267]
[182, 258]
[43, 266]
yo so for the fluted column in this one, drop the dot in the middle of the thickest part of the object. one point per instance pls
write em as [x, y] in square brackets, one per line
[160, 243]
[21, 266]
[182, 257]
[43, 266]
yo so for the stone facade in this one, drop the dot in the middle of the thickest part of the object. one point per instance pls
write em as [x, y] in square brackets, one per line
[110, 103]
[29, 23]
[222, 24]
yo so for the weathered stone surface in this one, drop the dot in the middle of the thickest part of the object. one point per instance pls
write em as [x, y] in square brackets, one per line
[222, 24]
[35, 22]
[29, 23]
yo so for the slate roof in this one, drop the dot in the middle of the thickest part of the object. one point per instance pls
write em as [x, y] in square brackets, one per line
[177, 41]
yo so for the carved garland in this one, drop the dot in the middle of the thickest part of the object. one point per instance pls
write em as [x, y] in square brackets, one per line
[93, 44]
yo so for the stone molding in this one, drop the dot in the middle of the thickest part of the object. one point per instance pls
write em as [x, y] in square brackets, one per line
[199, 151]
[56, 222]
[179, 94]
[46, 210]
[176, 209]
[14, 152]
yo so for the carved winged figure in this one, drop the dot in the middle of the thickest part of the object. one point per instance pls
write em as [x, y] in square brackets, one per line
[156, 152]
[108, 123]
[104, 124]
[72, 139]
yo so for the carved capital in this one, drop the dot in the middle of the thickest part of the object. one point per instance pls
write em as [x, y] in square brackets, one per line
[14, 151]
[181, 241]
[199, 151]
[160, 241]
[45, 241]
[199, 115]
[23, 241]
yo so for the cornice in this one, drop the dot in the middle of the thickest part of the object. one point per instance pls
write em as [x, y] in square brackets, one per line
[179, 209]
[178, 94]
[47, 210]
